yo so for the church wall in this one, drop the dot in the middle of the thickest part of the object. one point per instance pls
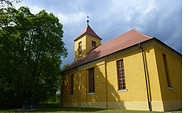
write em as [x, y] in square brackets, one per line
[134, 97]
[134, 75]
[171, 96]
[135, 79]
[153, 78]
[81, 97]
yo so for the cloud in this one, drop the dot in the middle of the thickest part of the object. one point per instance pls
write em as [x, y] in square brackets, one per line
[33, 8]
[161, 19]
[71, 18]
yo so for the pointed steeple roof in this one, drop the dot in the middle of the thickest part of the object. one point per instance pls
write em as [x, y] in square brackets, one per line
[88, 30]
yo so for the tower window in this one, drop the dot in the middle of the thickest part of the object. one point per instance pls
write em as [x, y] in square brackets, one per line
[91, 80]
[80, 47]
[93, 43]
[121, 74]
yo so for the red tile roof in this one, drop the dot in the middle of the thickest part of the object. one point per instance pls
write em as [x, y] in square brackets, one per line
[121, 42]
[88, 30]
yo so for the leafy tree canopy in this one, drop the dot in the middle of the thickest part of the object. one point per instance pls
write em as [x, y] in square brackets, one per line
[31, 48]
[64, 66]
[8, 3]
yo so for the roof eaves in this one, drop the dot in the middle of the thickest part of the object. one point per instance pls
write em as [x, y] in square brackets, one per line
[79, 36]
[167, 45]
[88, 34]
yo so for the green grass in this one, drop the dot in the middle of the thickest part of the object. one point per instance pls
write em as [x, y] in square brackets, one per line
[54, 108]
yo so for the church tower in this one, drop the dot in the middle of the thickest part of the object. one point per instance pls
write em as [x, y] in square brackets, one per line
[85, 42]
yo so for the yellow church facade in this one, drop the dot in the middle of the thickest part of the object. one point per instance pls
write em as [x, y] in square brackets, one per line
[132, 71]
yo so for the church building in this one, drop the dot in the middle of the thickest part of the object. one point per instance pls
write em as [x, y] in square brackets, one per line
[132, 71]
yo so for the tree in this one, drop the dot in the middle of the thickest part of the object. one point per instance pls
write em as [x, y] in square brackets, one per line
[8, 3]
[31, 48]
[64, 66]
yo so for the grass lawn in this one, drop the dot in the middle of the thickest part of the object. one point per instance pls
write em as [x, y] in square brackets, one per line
[54, 108]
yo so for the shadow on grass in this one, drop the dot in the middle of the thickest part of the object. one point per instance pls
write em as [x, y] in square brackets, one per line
[177, 111]
[54, 107]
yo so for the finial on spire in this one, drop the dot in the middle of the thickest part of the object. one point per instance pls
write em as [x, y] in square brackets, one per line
[87, 20]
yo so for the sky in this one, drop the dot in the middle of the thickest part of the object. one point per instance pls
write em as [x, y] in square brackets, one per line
[110, 18]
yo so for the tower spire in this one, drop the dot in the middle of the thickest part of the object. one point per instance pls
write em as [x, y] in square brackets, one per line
[87, 20]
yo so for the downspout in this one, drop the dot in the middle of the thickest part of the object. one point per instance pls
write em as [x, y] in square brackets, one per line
[86, 85]
[106, 84]
[148, 98]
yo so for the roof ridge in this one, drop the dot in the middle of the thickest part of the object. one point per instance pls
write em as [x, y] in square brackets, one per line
[142, 34]
[117, 36]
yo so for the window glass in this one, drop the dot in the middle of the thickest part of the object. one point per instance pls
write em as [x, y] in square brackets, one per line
[121, 76]
[72, 83]
[91, 80]
[80, 46]
[93, 43]
[166, 70]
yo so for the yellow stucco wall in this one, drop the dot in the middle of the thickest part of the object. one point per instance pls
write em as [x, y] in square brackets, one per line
[81, 85]
[171, 97]
[86, 45]
[89, 40]
[135, 97]
[134, 75]
[135, 78]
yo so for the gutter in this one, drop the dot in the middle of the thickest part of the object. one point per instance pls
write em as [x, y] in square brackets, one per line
[147, 86]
